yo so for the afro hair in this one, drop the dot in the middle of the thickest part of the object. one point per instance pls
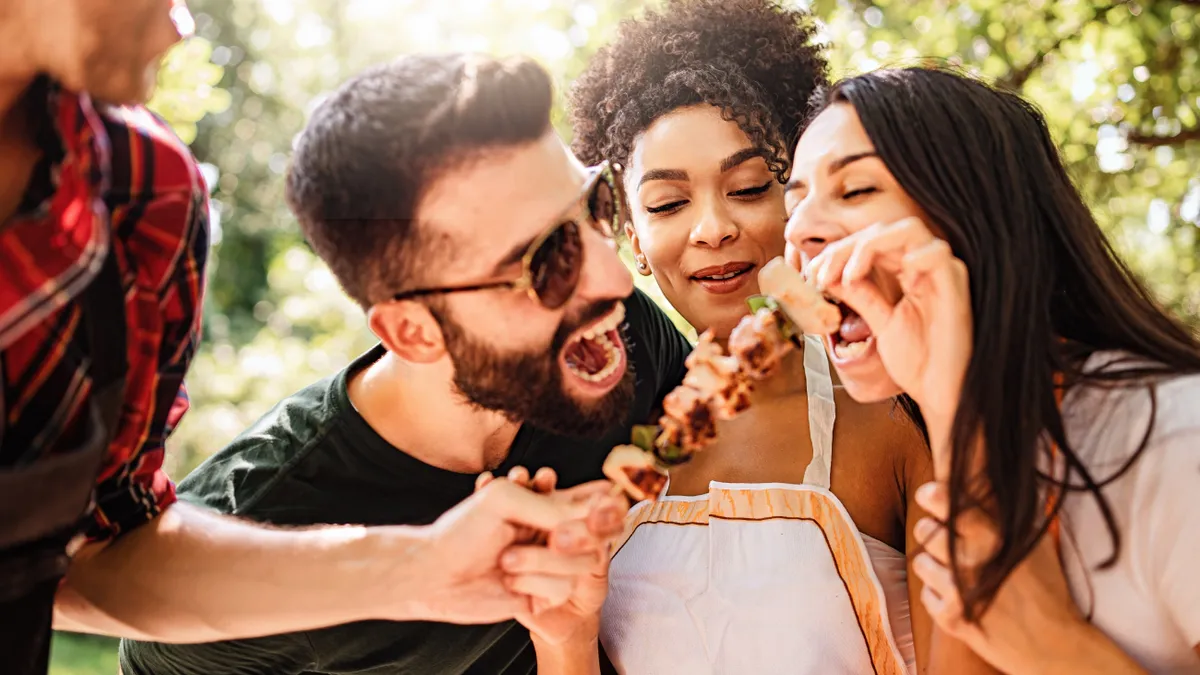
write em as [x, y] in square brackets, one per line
[753, 59]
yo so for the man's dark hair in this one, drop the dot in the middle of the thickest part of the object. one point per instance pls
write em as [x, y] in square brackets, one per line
[752, 58]
[371, 150]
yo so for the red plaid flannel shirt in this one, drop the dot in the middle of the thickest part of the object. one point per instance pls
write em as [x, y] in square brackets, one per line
[116, 177]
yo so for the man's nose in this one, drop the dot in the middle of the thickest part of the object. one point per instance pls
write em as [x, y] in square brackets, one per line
[604, 276]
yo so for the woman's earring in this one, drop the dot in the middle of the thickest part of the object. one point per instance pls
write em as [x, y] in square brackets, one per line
[642, 267]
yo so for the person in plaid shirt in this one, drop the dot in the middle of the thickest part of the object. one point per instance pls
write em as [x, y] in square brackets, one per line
[103, 244]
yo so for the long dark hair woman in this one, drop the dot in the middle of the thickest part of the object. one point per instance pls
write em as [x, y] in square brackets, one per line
[1061, 401]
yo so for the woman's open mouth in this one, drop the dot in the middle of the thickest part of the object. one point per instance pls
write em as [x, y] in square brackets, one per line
[727, 278]
[595, 355]
[853, 340]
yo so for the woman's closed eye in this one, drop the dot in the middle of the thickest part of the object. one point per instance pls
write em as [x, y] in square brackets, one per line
[858, 192]
[753, 191]
[666, 207]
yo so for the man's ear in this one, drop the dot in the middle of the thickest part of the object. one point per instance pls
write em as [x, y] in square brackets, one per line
[408, 330]
[643, 267]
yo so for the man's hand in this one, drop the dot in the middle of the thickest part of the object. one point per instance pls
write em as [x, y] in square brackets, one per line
[461, 551]
[566, 576]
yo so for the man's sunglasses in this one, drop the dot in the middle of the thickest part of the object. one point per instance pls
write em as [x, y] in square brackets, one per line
[550, 267]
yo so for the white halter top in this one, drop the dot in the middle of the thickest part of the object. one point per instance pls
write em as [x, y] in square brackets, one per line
[764, 578]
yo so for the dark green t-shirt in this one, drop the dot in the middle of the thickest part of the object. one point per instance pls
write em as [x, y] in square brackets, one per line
[313, 459]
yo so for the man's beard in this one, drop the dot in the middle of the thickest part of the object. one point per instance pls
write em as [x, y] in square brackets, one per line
[528, 386]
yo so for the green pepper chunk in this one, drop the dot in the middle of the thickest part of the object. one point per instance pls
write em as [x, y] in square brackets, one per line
[671, 455]
[643, 436]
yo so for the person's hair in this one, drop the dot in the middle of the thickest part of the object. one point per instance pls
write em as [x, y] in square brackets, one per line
[1047, 291]
[753, 59]
[375, 145]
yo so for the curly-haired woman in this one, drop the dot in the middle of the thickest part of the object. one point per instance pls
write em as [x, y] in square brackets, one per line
[769, 553]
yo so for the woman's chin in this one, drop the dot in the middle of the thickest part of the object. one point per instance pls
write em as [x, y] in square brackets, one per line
[872, 389]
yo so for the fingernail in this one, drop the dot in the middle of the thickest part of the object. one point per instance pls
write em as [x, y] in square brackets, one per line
[923, 563]
[926, 493]
[510, 559]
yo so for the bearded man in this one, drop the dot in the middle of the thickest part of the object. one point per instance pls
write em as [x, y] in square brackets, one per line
[510, 336]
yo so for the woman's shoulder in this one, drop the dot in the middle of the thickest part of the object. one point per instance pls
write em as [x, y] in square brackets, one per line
[1158, 406]
[1107, 422]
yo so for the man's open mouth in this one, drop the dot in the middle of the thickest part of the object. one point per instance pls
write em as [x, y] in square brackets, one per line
[853, 337]
[596, 353]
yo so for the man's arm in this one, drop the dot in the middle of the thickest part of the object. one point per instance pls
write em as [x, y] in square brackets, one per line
[193, 576]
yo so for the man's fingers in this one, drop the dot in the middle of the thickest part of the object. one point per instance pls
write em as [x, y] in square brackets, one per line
[576, 536]
[607, 519]
[521, 506]
[553, 590]
[483, 479]
[519, 560]
[519, 475]
[582, 494]
[545, 480]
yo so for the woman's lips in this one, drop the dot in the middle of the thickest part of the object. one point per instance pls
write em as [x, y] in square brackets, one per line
[724, 279]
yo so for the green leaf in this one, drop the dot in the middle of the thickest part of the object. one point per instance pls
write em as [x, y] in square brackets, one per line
[643, 436]
[670, 454]
[758, 302]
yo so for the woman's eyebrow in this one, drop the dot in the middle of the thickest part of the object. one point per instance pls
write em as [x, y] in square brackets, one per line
[834, 167]
[662, 174]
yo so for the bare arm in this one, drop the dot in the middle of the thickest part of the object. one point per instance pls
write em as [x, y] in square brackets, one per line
[936, 651]
[568, 659]
[1082, 648]
[1032, 625]
[194, 576]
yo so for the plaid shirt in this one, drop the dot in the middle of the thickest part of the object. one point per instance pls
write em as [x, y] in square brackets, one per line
[119, 178]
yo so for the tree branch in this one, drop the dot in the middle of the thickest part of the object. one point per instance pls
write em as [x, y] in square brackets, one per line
[1176, 139]
[1017, 77]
